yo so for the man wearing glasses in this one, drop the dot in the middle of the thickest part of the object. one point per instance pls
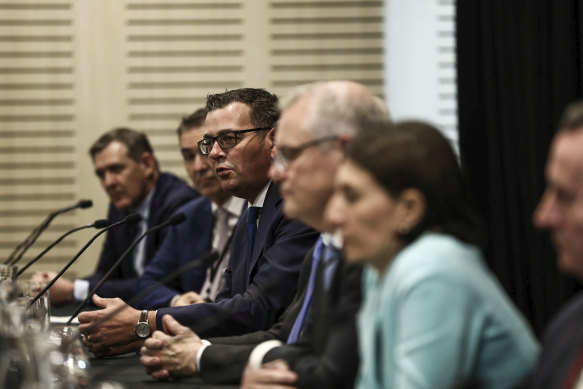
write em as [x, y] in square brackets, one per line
[314, 343]
[267, 248]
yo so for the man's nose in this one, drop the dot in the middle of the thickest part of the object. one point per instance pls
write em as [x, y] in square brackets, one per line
[545, 215]
[216, 151]
[109, 179]
[277, 173]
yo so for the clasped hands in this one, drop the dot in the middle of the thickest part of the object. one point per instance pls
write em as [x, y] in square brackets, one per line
[165, 355]
[172, 353]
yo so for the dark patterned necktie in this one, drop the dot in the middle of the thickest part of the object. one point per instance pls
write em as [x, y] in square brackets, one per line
[252, 216]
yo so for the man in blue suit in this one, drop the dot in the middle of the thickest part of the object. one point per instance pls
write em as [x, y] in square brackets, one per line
[125, 164]
[267, 252]
[210, 220]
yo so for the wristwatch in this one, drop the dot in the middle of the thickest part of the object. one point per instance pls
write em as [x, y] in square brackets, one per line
[143, 329]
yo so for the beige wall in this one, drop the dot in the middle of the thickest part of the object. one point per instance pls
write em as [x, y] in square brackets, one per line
[70, 70]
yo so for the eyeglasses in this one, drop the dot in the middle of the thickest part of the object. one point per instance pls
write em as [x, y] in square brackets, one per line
[226, 139]
[286, 155]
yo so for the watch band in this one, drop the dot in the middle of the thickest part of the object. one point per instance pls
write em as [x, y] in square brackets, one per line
[143, 329]
[143, 317]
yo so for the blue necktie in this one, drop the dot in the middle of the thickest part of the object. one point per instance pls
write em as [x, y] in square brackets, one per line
[298, 324]
[330, 260]
[252, 216]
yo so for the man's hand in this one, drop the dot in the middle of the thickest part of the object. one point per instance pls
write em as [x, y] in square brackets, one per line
[61, 292]
[272, 375]
[171, 354]
[115, 335]
[188, 298]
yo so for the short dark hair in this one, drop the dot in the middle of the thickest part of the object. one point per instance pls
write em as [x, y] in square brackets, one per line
[416, 155]
[572, 118]
[136, 142]
[194, 120]
[263, 105]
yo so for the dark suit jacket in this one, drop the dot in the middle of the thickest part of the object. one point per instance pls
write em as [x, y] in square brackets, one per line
[562, 342]
[184, 243]
[225, 360]
[171, 192]
[250, 302]
[325, 355]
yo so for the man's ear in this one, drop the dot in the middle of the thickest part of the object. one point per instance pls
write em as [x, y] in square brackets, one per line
[271, 137]
[412, 207]
[149, 163]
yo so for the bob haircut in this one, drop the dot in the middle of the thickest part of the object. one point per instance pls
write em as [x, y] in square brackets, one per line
[415, 155]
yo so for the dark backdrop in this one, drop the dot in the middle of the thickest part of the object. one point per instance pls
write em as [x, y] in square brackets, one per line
[519, 63]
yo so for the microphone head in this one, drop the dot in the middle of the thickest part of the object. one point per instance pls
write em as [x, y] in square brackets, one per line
[101, 223]
[176, 219]
[132, 218]
[85, 204]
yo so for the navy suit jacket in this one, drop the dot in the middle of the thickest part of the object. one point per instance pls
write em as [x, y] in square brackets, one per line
[184, 243]
[170, 193]
[253, 301]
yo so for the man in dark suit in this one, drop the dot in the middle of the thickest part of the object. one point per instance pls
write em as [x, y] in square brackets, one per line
[316, 123]
[210, 220]
[125, 164]
[561, 212]
[262, 275]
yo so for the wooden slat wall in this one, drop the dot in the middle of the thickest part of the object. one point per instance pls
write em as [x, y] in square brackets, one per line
[324, 40]
[447, 77]
[37, 129]
[176, 54]
[70, 70]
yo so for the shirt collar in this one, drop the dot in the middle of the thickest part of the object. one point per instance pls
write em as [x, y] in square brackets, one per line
[260, 199]
[233, 205]
[144, 208]
[332, 240]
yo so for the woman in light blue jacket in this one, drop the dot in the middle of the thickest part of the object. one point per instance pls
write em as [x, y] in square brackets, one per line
[433, 316]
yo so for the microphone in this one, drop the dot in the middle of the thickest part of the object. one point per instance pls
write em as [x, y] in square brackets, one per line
[205, 260]
[101, 223]
[15, 256]
[129, 219]
[172, 220]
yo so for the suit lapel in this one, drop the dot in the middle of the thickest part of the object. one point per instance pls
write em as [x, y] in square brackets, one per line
[272, 200]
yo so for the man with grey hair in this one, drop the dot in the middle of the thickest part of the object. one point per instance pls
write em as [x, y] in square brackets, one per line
[318, 328]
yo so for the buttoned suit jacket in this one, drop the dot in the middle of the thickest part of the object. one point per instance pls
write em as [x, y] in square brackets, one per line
[170, 193]
[253, 300]
[325, 355]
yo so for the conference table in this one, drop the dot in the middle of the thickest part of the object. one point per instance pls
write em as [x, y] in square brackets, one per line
[127, 370]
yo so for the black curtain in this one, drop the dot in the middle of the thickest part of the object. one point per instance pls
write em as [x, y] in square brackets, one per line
[519, 63]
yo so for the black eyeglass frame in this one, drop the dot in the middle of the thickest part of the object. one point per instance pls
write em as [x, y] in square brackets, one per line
[202, 144]
[285, 156]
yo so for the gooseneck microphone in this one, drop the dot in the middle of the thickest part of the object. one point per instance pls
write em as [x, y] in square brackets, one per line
[172, 220]
[129, 219]
[101, 223]
[19, 251]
